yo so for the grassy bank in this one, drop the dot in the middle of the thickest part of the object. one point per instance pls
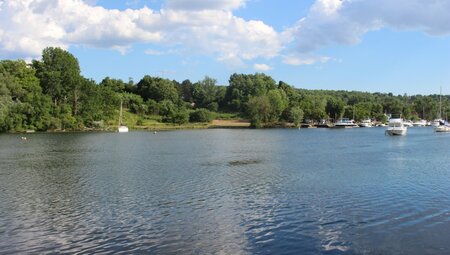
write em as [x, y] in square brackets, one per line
[154, 122]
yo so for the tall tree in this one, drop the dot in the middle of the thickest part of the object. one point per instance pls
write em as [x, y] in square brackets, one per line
[59, 75]
[22, 104]
[158, 89]
[244, 86]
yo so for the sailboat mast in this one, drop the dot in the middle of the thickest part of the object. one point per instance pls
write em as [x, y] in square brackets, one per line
[440, 102]
[120, 115]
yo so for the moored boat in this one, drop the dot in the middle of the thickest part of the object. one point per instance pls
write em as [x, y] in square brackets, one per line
[396, 127]
[443, 126]
[345, 123]
[366, 123]
[420, 123]
[122, 128]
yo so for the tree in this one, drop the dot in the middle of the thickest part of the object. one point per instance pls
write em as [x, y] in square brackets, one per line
[295, 115]
[278, 102]
[259, 110]
[186, 91]
[158, 89]
[205, 94]
[335, 107]
[313, 107]
[59, 75]
[242, 87]
[116, 85]
[22, 106]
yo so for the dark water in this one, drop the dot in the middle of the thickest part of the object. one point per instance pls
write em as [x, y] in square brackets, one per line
[226, 192]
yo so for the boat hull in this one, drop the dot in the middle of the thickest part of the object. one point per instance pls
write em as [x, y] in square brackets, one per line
[442, 129]
[394, 132]
[122, 129]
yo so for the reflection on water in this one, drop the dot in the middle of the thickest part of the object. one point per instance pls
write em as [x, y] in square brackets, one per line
[226, 192]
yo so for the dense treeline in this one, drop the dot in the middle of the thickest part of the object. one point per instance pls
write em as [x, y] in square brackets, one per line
[51, 94]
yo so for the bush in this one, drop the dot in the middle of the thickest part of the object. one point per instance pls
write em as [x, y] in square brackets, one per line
[180, 117]
[200, 115]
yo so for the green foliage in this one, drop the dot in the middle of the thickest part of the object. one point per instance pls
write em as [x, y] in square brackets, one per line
[59, 75]
[206, 94]
[313, 107]
[295, 115]
[278, 103]
[335, 107]
[186, 91]
[51, 94]
[244, 86]
[200, 115]
[22, 104]
[115, 85]
[259, 111]
[157, 89]
[180, 117]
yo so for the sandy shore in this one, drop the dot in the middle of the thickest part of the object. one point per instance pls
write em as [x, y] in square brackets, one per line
[229, 124]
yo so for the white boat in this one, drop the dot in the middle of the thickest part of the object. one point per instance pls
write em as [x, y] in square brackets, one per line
[436, 122]
[366, 123]
[396, 127]
[345, 123]
[420, 123]
[408, 123]
[443, 126]
[122, 128]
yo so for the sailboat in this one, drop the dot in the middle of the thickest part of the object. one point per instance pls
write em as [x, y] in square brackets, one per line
[441, 125]
[122, 128]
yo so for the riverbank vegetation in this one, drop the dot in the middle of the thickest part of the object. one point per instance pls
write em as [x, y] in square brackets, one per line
[51, 94]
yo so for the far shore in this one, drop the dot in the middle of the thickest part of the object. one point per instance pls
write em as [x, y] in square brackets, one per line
[238, 123]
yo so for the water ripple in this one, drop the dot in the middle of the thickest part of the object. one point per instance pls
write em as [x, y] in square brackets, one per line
[225, 192]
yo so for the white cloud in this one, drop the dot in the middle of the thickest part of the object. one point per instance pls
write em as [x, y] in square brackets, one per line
[262, 67]
[297, 60]
[208, 27]
[344, 22]
[204, 4]
[192, 27]
[153, 52]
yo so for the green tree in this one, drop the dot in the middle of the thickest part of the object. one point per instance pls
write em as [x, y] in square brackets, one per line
[116, 85]
[158, 89]
[23, 106]
[278, 102]
[59, 75]
[243, 86]
[295, 115]
[186, 91]
[335, 107]
[259, 111]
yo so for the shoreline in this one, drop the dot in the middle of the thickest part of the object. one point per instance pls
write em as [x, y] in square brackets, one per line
[228, 124]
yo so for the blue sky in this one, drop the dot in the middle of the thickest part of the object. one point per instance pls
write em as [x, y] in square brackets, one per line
[398, 46]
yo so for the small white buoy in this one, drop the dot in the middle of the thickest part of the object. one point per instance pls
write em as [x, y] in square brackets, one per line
[23, 138]
[154, 132]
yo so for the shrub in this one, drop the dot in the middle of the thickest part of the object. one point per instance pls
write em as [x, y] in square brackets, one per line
[200, 115]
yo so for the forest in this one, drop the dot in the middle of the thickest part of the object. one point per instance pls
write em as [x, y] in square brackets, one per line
[50, 94]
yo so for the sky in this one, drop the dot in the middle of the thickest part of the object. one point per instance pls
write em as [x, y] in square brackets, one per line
[397, 46]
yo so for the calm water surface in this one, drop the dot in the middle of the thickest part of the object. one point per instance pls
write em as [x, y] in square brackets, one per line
[226, 192]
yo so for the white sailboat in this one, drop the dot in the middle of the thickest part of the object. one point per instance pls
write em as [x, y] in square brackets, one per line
[443, 126]
[122, 128]
[439, 124]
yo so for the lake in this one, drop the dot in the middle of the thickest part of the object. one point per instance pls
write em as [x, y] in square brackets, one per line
[226, 191]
